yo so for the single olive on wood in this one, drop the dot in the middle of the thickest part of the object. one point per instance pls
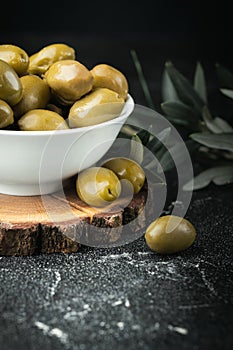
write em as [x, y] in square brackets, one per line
[41, 120]
[98, 186]
[127, 169]
[11, 89]
[106, 76]
[16, 57]
[40, 61]
[170, 234]
[96, 107]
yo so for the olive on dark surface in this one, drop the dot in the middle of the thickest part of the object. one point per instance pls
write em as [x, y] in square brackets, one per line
[96, 107]
[41, 120]
[6, 114]
[127, 169]
[16, 57]
[69, 80]
[97, 186]
[40, 61]
[36, 94]
[170, 234]
[11, 89]
[106, 76]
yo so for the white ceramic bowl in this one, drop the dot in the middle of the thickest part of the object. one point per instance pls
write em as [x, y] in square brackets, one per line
[38, 162]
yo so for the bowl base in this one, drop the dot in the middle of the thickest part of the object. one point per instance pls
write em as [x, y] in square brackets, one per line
[31, 189]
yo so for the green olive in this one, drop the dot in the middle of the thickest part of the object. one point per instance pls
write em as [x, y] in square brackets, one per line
[40, 61]
[16, 57]
[41, 120]
[11, 89]
[97, 186]
[127, 169]
[6, 114]
[99, 106]
[170, 234]
[69, 80]
[109, 77]
[36, 94]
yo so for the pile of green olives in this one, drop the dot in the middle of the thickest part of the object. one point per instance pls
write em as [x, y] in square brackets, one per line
[51, 89]
[170, 234]
[99, 186]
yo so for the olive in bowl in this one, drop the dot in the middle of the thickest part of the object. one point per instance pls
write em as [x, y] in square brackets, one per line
[37, 162]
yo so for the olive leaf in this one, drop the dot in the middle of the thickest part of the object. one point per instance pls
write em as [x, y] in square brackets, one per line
[227, 92]
[184, 88]
[156, 147]
[219, 175]
[178, 110]
[225, 77]
[144, 135]
[223, 124]
[136, 149]
[168, 90]
[176, 154]
[142, 79]
[199, 83]
[218, 141]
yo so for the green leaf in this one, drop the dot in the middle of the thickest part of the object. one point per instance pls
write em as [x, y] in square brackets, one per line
[209, 121]
[184, 88]
[223, 124]
[144, 136]
[217, 141]
[176, 155]
[219, 175]
[178, 109]
[136, 149]
[225, 77]
[199, 82]
[142, 79]
[227, 92]
[168, 90]
[157, 141]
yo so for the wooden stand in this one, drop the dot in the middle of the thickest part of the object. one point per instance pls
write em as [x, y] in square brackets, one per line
[58, 222]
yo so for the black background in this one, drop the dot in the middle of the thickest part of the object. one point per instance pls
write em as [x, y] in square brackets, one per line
[204, 24]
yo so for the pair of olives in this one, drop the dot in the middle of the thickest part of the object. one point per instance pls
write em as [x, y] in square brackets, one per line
[98, 186]
[51, 89]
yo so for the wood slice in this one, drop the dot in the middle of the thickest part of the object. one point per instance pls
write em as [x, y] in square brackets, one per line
[56, 223]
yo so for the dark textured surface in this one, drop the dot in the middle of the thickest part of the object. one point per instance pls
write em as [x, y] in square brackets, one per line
[127, 297]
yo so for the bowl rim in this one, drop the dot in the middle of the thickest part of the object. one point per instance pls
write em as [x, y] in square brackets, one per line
[127, 110]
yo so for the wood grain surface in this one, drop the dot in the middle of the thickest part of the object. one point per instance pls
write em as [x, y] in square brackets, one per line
[58, 222]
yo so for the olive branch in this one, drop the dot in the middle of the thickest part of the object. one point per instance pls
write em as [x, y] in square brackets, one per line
[185, 104]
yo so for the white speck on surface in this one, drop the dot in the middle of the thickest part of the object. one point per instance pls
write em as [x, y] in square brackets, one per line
[127, 303]
[179, 330]
[71, 316]
[55, 332]
[44, 327]
[58, 333]
[118, 302]
[55, 284]
[136, 327]
[207, 283]
[120, 325]
[157, 326]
